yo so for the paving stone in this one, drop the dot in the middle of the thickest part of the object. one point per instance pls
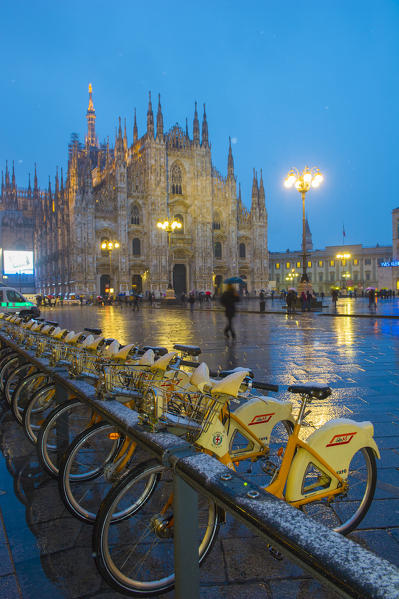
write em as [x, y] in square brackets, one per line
[235, 591]
[300, 589]
[9, 588]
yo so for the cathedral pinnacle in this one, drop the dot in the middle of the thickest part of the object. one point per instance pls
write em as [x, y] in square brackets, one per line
[230, 162]
[255, 196]
[7, 175]
[196, 134]
[124, 136]
[150, 117]
[135, 130]
[204, 130]
[13, 176]
[35, 187]
[159, 119]
[91, 139]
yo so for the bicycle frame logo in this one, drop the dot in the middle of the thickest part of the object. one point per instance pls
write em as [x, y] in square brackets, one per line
[217, 439]
[342, 439]
[260, 419]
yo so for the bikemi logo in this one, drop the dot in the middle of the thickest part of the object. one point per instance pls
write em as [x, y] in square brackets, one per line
[217, 439]
[342, 439]
[260, 419]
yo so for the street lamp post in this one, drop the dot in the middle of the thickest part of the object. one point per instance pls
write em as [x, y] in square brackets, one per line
[169, 227]
[110, 246]
[303, 181]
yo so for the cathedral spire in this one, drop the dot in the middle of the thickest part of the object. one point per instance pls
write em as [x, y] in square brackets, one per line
[255, 196]
[196, 135]
[91, 139]
[261, 194]
[124, 137]
[29, 185]
[2, 183]
[186, 127]
[99, 159]
[62, 182]
[107, 156]
[239, 193]
[13, 176]
[204, 130]
[7, 175]
[35, 180]
[150, 118]
[57, 186]
[135, 130]
[159, 120]
[230, 162]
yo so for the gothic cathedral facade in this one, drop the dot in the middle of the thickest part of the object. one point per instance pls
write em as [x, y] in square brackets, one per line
[114, 198]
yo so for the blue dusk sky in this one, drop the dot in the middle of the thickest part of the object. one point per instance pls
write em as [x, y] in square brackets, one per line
[293, 83]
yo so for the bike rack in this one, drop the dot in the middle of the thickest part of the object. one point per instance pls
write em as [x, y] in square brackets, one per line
[337, 562]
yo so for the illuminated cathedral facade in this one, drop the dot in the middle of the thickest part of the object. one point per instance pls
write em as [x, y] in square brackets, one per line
[113, 197]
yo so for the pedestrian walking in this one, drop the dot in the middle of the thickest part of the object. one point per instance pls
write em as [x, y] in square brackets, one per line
[291, 301]
[229, 299]
[304, 300]
[371, 295]
[309, 299]
[135, 303]
[191, 300]
[334, 298]
[262, 303]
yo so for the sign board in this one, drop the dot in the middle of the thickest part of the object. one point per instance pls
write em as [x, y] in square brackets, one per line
[18, 262]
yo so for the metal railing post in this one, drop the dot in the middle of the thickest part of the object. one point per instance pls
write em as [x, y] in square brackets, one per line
[185, 539]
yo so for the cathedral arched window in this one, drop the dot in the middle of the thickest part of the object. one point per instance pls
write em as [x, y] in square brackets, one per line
[135, 215]
[136, 247]
[218, 249]
[176, 180]
[216, 221]
[242, 250]
[179, 218]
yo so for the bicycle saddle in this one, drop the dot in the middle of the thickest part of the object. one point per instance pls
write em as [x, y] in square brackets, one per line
[317, 390]
[191, 350]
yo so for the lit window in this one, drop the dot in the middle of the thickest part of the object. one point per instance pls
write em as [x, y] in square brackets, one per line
[298, 265]
[343, 262]
[309, 264]
[288, 265]
[321, 263]
[355, 261]
[331, 262]
[277, 265]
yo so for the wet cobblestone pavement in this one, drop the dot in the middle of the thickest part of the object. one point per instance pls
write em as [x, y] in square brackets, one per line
[46, 553]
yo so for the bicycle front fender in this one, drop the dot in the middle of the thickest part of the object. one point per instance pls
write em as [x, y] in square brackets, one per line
[336, 442]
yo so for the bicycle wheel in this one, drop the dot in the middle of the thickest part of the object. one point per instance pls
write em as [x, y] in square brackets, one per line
[7, 365]
[87, 470]
[58, 431]
[135, 555]
[34, 408]
[345, 511]
[18, 375]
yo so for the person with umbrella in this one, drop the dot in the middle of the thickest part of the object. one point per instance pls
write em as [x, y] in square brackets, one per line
[229, 299]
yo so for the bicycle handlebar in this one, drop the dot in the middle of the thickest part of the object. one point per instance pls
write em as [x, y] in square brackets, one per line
[264, 386]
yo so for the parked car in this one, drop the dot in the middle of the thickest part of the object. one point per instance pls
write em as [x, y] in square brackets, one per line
[12, 300]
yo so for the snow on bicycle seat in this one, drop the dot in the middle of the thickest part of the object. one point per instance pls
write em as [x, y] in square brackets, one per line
[95, 343]
[60, 333]
[112, 349]
[191, 350]
[163, 362]
[230, 385]
[124, 351]
[224, 373]
[317, 390]
[200, 377]
[157, 349]
[88, 341]
[147, 359]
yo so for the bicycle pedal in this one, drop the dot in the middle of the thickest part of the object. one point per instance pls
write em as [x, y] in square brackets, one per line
[275, 553]
[269, 468]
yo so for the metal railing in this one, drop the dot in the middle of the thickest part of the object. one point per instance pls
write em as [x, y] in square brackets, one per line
[337, 562]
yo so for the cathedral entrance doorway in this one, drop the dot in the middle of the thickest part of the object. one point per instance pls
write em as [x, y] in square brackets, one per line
[104, 285]
[137, 284]
[179, 279]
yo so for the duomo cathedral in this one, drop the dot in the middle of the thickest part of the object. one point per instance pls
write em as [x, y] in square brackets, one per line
[113, 197]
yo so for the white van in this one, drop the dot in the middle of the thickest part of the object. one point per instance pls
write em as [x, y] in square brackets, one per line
[12, 300]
